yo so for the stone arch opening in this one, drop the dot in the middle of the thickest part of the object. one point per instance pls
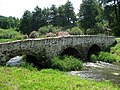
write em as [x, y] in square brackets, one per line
[94, 49]
[71, 52]
[32, 60]
[39, 60]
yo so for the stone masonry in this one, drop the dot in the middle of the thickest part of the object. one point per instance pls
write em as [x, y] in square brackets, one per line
[54, 45]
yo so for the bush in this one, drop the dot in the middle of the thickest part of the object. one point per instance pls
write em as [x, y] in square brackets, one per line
[9, 34]
[25, 36]
[103, 56]
[34, 34]
[47, 29]
[93, 58]
[116, 51]
[75, 31]
[67, 63]
[106, 57]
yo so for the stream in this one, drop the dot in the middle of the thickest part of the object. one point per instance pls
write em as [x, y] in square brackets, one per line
[100, 71]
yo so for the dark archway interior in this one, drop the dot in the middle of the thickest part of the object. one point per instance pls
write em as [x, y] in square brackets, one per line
[37, 62]
[32, 59]
[71, 52]
[94, 49]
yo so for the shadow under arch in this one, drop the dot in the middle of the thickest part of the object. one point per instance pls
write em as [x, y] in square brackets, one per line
[39, 60]
[94, 49]
[70, 51]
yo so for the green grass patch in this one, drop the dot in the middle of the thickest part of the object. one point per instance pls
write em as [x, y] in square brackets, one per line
[5, 40]
[10, 34]
[118, 40]
[116, 51]
[66, 63]
[104, 56]
[20, 78]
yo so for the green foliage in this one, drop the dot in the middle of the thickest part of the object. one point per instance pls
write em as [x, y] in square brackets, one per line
[104, 56]
[88, 14]
[6, 40]
[116, 51]
[20, 78]
[26, 23]
[67, 63]
[69, 14]
[47, 29]
[36, 18]
[34, 34]
[9, 22]
[10, 34]
[75, 31]
[118, 40]
[93, 58]
[25, 36]
[114, 55]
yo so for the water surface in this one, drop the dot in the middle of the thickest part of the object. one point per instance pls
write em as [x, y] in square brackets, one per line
[100, 71]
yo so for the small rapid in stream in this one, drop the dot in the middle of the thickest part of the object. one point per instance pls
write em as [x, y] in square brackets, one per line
[100, 71]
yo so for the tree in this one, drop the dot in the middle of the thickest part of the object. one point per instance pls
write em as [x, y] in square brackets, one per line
[36, 18]
[116, 4]
[69, 14]
[61, 20]
[26, 23]
[87, 14]
[9, 22]
[112, 15]
[53, 15]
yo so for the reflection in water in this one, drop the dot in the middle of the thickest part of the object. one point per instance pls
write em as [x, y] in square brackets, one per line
[100, 71]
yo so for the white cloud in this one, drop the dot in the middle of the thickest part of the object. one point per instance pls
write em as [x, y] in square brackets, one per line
[17, 7]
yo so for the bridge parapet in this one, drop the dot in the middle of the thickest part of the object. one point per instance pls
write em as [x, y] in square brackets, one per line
[54, 45]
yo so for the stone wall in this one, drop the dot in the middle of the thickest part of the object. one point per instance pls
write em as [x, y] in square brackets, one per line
[53, 45]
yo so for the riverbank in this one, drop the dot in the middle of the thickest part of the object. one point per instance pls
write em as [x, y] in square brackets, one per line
[100, 71]
[20, 78]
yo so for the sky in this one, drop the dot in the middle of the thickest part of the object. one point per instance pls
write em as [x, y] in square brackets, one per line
[16, 8]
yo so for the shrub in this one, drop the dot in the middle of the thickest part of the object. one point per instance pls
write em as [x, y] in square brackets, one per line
[10, 34]
[67, 63]
[116, 49]
[93, 58]
[34, 34]
[75, 31]
[25, 36]
[106, 57]
[50, 35]
[47, 29]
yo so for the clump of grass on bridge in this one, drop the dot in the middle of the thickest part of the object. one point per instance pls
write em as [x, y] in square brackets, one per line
[66, 63]
[20, 78]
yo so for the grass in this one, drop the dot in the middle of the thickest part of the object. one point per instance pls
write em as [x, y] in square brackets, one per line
[66, 63]
[20, 78]
[105, 57]
[6, 40]
[116, 50]
[9, 34]
[118, 40]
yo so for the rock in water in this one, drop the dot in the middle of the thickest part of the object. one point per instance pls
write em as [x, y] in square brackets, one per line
[15, 61]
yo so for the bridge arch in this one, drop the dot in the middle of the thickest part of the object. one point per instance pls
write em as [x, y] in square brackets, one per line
[70, 51]
[94, 49]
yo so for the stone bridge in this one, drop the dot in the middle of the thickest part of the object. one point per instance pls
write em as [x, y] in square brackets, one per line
[76, 45]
